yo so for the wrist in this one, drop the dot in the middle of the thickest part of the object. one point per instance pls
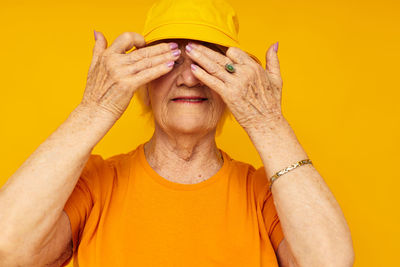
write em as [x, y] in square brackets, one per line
[266, 127]
[277, 144]
[91, 122]
[95, 113]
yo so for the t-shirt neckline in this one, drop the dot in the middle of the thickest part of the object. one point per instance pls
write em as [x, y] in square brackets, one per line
[222, 172]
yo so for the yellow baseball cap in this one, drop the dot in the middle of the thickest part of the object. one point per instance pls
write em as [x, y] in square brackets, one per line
[212, 21]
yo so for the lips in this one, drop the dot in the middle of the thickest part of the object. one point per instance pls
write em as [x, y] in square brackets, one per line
[189, 99]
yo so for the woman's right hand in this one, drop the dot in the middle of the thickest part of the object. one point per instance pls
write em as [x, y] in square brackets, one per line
[114, 76]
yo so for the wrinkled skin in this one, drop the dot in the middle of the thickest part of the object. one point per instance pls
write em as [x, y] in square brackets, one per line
[178, 118]
[115, 75]
[252, 93]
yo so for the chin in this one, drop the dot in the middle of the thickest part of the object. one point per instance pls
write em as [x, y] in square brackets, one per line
[190, 126]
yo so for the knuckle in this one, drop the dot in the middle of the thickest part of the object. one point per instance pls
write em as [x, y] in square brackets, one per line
[148, 63]
[141, 53]
[108, 63]
[165, 47]
[249, 74]
[126, 35]
[133, 57]
[146, 53]
[213, 70]
[113, 72]
[138, 38]
[106, 53]
[131, 70]
[232, 51]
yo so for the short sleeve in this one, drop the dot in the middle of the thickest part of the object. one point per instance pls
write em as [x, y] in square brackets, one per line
[271, 220]
[272, 223]
[83, 197]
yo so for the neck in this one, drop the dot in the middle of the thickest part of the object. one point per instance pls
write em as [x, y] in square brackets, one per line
[183, 158]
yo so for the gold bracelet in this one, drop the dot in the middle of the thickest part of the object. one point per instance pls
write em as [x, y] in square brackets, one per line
[287, 169]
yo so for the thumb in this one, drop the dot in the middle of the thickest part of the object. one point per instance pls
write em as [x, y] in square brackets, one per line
[99, 47]
[272, 65]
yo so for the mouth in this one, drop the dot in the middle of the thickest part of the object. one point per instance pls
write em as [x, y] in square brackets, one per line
[191, 99]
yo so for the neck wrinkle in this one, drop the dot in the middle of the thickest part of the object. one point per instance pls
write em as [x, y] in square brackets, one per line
[189, 161]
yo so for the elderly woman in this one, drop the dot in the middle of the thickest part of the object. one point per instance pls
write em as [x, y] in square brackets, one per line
[176, 200]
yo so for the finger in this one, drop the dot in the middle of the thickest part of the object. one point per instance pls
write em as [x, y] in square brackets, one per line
[149, 51]
[212, 51]
[126, 41]
[211, 61]
[99, 46]
[238, 56]
[210, 81]
[148, 63]
[148, 75]
[272, 65]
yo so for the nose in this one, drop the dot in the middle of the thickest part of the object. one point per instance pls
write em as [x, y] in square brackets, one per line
[185, 74]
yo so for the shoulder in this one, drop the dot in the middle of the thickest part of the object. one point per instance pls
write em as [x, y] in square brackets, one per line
[255, 176]
[238, 166]
[104, 165]
[101, 173]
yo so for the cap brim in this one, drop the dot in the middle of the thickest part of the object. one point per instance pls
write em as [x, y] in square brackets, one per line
[193, 31]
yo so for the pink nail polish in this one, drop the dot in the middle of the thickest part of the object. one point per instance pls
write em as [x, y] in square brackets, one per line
[170, 64]
[173, 45]
[189, 48]
[193, 66]
[176, 53]
[95, 35]
[276, 47]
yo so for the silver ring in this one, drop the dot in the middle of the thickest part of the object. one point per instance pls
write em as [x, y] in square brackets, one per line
[230, 68]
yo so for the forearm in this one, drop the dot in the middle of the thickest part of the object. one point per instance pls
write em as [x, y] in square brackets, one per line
[33, 198]
[312, 221]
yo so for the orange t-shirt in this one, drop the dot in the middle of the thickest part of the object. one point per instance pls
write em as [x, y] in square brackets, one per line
[123, 213]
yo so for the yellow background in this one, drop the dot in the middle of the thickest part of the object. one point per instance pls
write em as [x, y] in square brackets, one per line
[340, 66]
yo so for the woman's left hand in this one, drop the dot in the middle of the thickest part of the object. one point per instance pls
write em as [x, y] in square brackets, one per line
[253, 94]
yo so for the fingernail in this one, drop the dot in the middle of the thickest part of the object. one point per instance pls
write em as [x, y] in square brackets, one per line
[193, 66]
[95, 35]
[173, 45]
[176, 53]
[189, 47]
[276, 47]
[170, 64]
